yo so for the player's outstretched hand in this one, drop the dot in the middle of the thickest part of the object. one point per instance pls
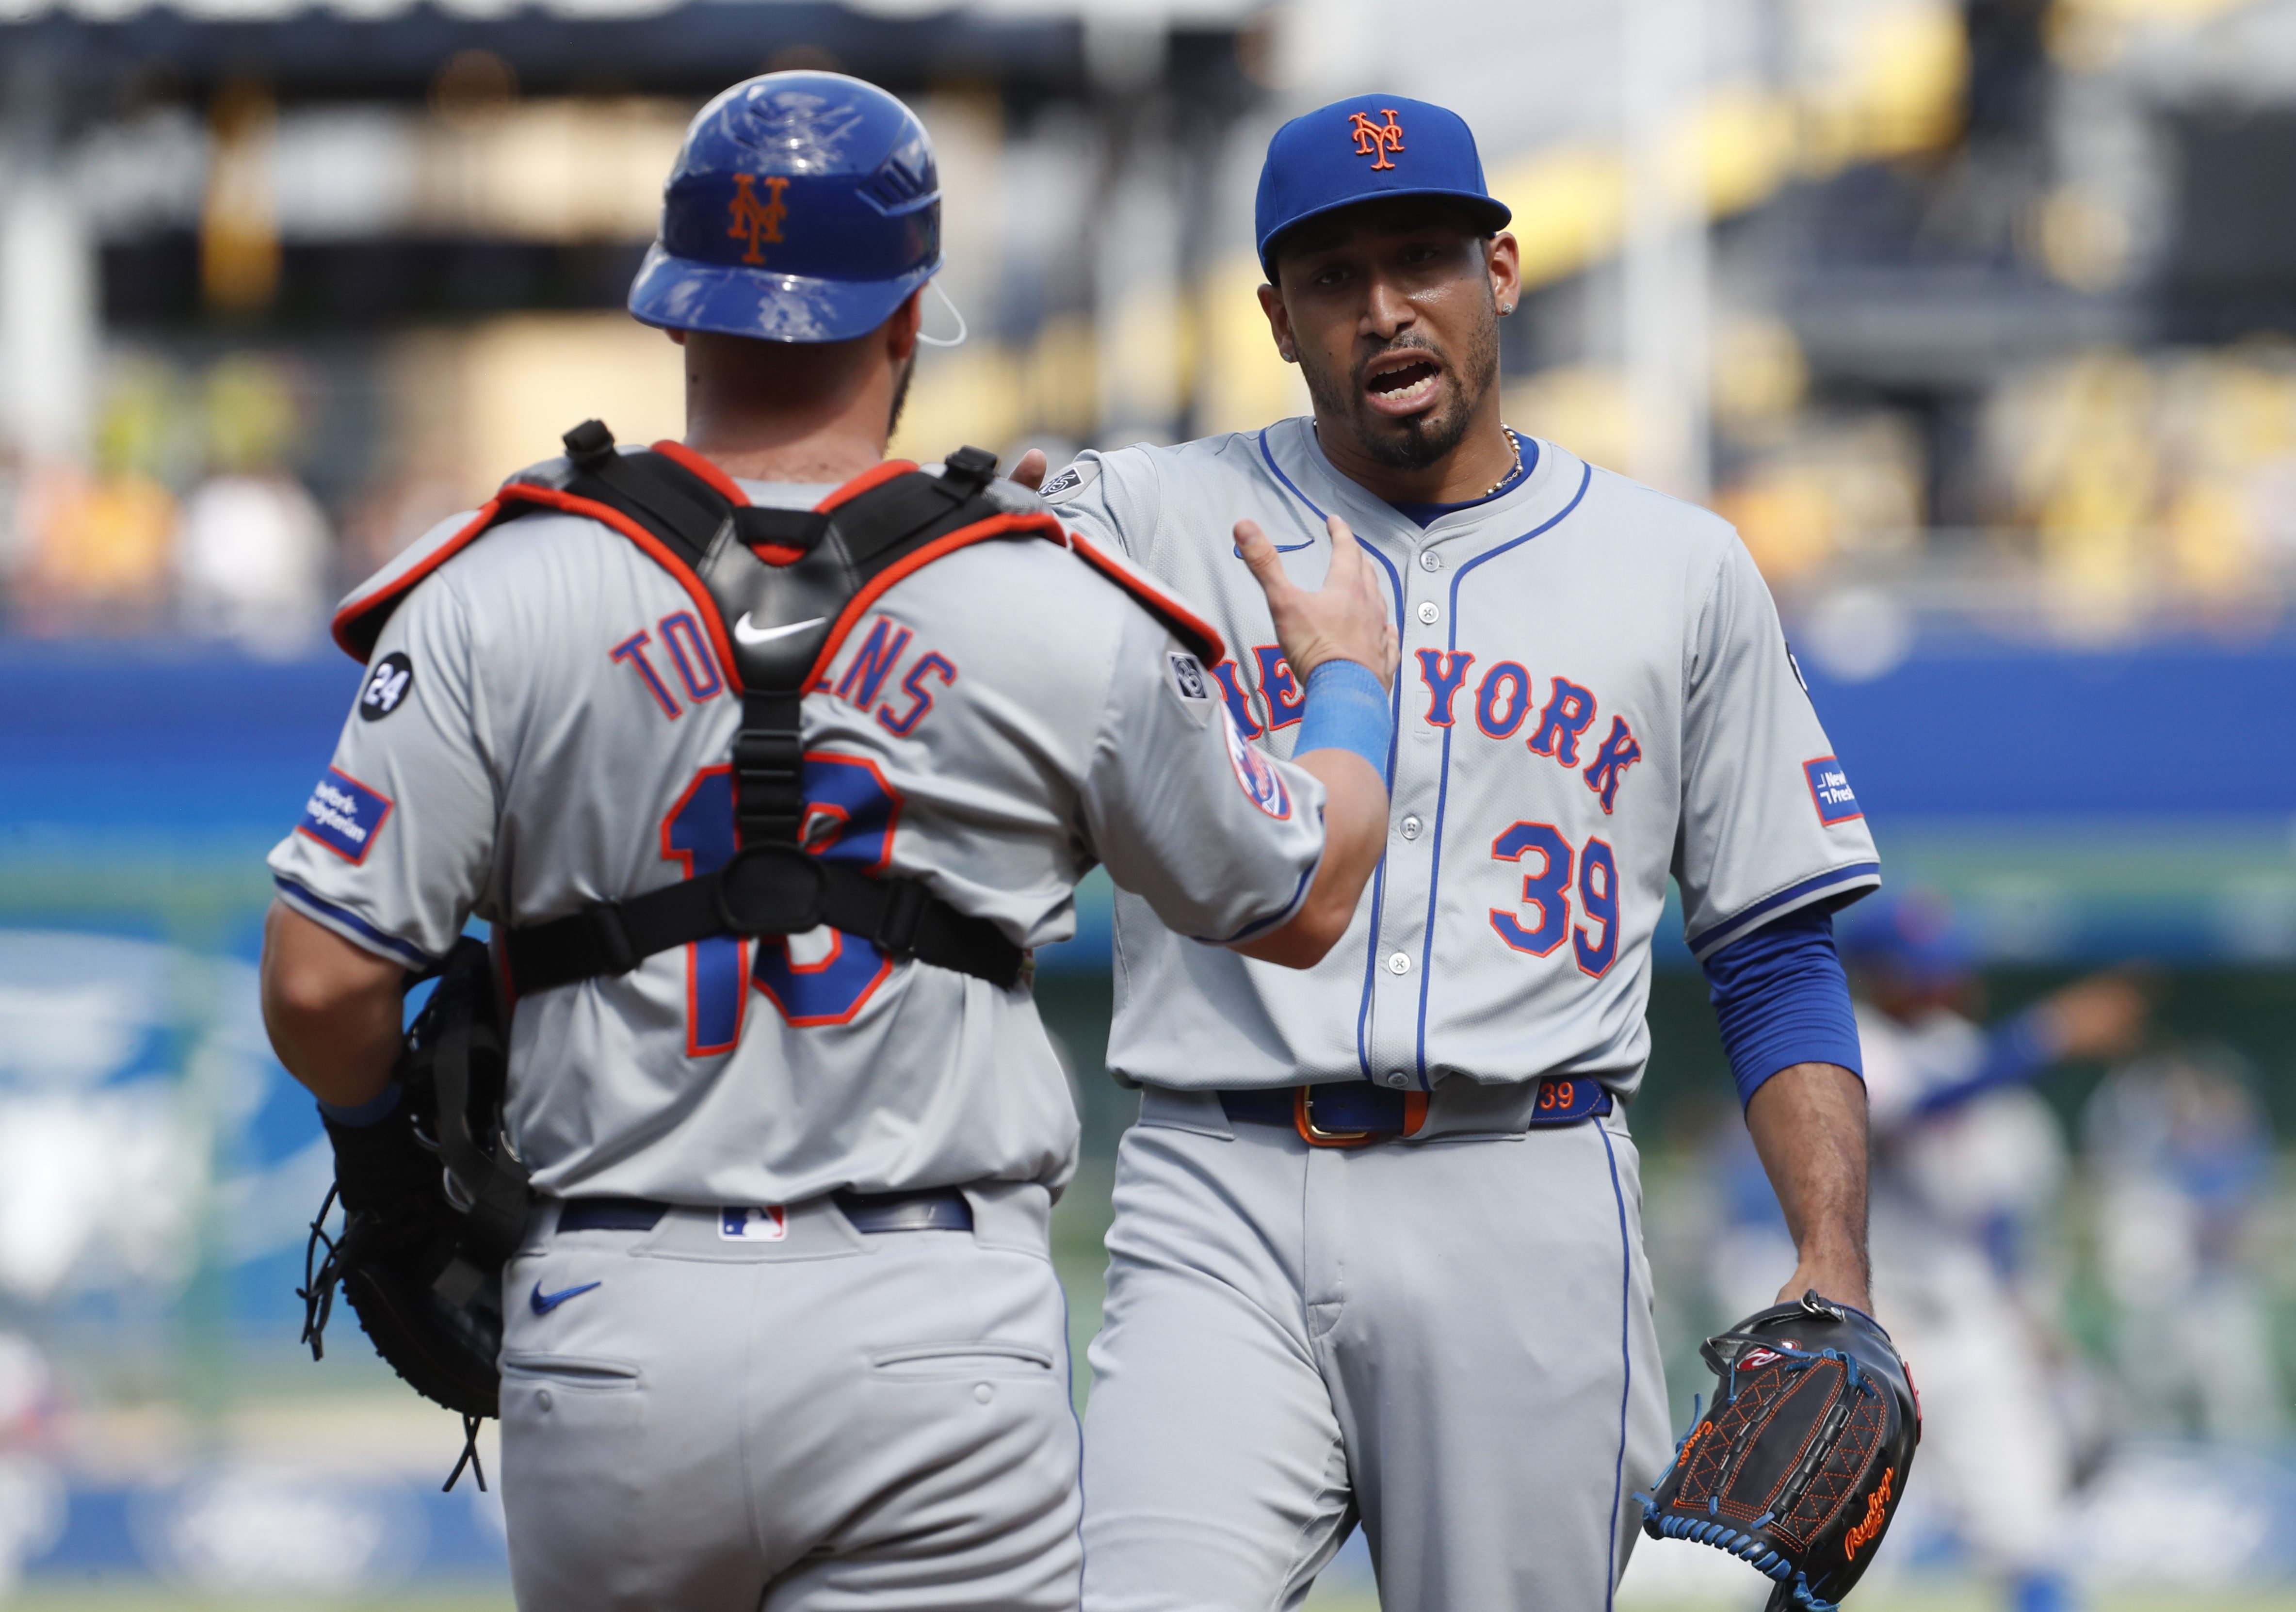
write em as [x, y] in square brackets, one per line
[2102, 1016]
[1346, 619]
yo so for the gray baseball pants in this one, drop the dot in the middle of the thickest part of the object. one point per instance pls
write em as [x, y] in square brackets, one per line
[1448, 1340]
[820, 1421]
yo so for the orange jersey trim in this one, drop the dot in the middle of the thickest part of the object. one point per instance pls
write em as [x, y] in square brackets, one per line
[348, 628]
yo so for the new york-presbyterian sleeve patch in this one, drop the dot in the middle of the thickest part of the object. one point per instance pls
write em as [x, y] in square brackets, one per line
[1829, 787]
[344, 816]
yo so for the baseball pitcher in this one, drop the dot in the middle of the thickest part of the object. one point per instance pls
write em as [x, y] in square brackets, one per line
[733, 744]
[1376, 1255]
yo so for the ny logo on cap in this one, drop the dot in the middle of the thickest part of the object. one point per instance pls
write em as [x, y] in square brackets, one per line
[759, 222]
[1376, 139]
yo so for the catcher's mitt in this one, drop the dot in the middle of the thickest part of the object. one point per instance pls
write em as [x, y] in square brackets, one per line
[422, 1240]
[1801, 1461]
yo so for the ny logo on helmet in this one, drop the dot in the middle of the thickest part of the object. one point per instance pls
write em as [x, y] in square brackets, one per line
[754, 221]
[1376, 139]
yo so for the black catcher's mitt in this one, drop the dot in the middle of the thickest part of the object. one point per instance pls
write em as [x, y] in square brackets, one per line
[419, 1252]
[1801, 1461]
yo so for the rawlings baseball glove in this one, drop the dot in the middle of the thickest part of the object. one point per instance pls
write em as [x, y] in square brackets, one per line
[421, 1241]
[1801, 1461]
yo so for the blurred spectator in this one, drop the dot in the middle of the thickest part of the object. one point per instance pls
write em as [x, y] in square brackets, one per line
[251, 558]
[97, 559]
[88, 554]
[2185, 1169]
[2163, 480]
[1844, 485]
[395, 512]
[251, 561]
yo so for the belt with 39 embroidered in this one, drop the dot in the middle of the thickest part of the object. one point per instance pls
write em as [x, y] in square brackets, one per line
[1355, 1113]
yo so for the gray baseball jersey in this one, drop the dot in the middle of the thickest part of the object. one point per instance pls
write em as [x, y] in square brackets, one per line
[1596, 693]
[543, 726]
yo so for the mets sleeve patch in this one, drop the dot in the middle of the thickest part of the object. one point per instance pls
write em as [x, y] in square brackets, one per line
[344, 816]
[1255, 772]
[1829, 787]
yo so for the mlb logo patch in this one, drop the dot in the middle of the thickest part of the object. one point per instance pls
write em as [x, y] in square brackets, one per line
[1069, 481]
[1188, 679]
[745, 1224]
[1255, 772]
[344, 816]
[1829, 787]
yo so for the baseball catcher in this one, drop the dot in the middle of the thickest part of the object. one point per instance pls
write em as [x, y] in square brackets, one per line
[723, 1173]
[1801, 1462]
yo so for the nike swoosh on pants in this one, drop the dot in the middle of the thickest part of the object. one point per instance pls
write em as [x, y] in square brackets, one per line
[545, 1303]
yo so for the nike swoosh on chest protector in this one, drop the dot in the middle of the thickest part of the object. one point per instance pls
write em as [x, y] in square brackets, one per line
[747, 633]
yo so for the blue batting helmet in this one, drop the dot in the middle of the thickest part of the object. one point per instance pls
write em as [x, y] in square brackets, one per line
[804, 206]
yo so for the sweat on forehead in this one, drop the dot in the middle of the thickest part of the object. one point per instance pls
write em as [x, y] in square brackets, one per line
[1402, 216]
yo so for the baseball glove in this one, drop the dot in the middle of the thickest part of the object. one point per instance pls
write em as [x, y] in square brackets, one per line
[1801, 1461]
[414, 1262]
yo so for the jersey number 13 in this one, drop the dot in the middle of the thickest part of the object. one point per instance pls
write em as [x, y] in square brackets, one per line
[851, 812]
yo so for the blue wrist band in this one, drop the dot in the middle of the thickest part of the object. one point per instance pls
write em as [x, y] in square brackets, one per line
[374, 1110]
[1347, 710]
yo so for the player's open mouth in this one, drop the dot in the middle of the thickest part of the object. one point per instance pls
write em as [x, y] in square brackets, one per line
[1403, 383]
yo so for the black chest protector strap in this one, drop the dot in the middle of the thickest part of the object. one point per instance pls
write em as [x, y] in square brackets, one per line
[781, 581]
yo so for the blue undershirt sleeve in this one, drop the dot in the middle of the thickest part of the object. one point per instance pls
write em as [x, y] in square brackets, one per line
[1780, 998]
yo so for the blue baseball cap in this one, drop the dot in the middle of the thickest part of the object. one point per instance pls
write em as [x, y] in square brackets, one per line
[1914, 933]
[1367, 148]
[804, 206]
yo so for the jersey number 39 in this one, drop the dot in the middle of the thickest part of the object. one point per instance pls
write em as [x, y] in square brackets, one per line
[851, 812]
[1539, 925]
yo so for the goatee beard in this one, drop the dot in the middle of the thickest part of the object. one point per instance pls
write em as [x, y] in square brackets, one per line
[1420, 441]
[1424, 441]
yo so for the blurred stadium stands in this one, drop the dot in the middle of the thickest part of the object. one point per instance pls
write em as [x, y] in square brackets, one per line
[1978, 319]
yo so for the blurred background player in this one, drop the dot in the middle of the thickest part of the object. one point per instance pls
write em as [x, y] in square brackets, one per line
[1969, 1166]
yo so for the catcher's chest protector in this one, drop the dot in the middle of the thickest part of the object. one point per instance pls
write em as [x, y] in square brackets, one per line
[1801, 1461]
[777, 591]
